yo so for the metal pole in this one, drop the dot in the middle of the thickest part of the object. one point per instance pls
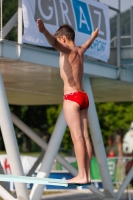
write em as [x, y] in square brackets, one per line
[98, 141]
[6, 195]
[10, 142]
[20, 21]
[38, 161]
[125, 184]
[0, 19]
[22, 126]
[131, 24]
[9, 25]
[19, 26]
[50, 155]
[118, 37]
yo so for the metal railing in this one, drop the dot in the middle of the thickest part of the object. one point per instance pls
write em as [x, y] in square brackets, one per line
[12, 29]
[0, 19]
[125, 40]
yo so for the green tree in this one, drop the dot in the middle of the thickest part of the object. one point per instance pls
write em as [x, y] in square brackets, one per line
[9, 9]
[114, 117]
[35, 117]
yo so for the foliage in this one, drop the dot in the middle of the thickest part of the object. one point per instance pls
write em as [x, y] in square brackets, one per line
[42, 120]
[9, 9]
[52, 115]
[114, 118]
[35, 117]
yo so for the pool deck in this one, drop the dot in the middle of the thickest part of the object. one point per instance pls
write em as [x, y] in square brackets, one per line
[80, 195]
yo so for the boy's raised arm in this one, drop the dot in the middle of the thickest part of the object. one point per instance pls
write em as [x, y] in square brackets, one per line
[51, 39]
[88, 43]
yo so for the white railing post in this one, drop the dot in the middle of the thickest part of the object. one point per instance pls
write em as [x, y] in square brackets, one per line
[118, 37]
[131, 25]
[20, 21]
[0, 19]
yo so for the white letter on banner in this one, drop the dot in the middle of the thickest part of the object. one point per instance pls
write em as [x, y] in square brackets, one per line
[99, 21]
[64, 12]
[81, 20]
[42, 13]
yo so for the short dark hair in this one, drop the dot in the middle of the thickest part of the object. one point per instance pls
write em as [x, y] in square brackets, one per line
[66, 30]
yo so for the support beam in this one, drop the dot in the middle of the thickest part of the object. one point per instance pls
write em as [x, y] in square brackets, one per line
[50, 155]
[10, 142]
[125, 184]
[10, 24]
[41, 57]
[98, 141]
[5, 195]
[38, 161]
[22, 126]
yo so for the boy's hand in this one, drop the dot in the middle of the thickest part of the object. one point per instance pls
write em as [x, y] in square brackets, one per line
[40, 25]
[95, 33]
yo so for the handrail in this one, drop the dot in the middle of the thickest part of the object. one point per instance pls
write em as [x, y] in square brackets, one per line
[114, 39]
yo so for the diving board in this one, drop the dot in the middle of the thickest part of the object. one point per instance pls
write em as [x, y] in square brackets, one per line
[34, 180]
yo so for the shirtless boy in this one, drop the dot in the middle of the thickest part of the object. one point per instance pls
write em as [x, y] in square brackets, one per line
[76, 101]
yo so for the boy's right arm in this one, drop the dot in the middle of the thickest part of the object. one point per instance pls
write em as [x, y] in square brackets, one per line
[88, 43]
[51, 39]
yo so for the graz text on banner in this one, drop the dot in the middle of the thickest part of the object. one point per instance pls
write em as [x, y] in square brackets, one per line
[83, 15]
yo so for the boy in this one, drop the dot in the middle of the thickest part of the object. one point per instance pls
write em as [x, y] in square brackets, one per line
[76, 101]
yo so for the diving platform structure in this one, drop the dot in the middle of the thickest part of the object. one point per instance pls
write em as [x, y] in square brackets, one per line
[34, 78]
[30, 75]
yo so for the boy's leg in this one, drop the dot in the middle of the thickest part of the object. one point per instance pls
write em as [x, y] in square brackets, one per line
[73, 119]
[87, 142]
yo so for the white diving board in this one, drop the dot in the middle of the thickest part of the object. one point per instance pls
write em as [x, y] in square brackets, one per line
[34, 180]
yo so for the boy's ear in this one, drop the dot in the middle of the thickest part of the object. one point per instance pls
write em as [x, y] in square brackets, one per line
[64, 38]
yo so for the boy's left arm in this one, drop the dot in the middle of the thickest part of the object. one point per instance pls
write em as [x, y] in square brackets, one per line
[88, 43]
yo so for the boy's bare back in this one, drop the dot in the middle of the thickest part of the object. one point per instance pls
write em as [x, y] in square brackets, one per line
[71, 69]
[71, 58]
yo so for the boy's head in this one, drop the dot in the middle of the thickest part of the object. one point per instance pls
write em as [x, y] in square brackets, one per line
[65, 30]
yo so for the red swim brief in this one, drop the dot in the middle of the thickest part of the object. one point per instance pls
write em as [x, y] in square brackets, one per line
[79, 97]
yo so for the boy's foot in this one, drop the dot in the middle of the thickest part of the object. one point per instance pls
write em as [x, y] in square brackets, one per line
[79, 181]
